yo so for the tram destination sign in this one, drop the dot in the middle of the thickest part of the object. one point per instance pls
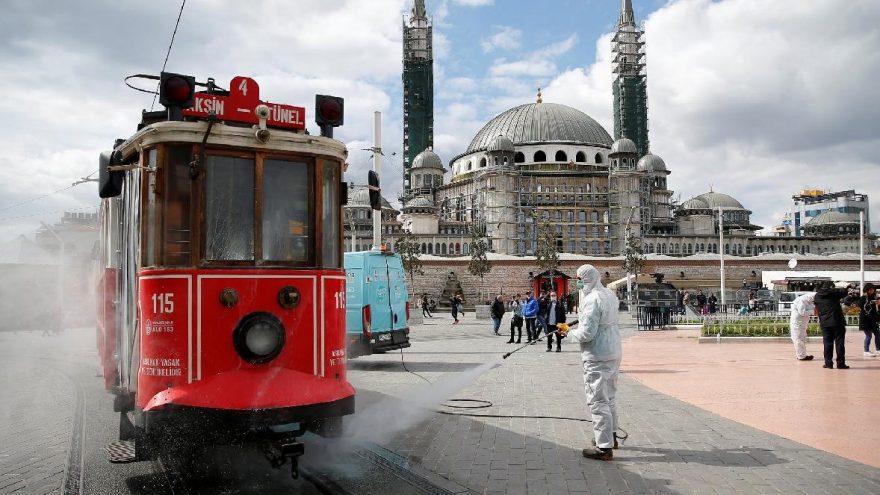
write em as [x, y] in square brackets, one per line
[241, 105]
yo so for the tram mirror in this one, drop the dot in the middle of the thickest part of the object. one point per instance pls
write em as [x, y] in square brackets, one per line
[375, 191]
[109, 183]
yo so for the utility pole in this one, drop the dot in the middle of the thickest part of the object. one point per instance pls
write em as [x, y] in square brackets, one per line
[377, 160]
[721, 254]
[862, 252]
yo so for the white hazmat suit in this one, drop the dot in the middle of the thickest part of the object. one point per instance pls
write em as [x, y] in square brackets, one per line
[801, 310]
[598, 333]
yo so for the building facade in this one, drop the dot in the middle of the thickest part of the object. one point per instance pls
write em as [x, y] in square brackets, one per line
[810, 203]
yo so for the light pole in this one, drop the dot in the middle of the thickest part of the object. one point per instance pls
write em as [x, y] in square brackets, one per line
[862, 252]
[721, 254]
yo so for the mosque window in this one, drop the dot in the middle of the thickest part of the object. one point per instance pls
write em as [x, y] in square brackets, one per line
[431, 249]
[599, 158]
[469, 166]
[594, 216]
[457, 248]
[465, 248]
[424, 248]
[582, 215]
[561, 156]
[505, 160]
[580, 157]
[571, 216]
[442, 249]
[519, 157]
[540, 156]
[595, 247]
[482, 162]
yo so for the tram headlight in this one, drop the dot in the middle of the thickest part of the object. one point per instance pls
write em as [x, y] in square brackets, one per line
[259, 338]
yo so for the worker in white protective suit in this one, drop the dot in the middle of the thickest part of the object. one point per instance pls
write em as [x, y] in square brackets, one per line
[801, 310]
[599, 337]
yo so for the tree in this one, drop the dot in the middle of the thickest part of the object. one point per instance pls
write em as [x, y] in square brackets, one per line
[547, 254]
[633, 258]
[479, 265]
[408, 249]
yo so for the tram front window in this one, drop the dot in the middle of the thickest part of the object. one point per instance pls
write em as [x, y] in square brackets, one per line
[229, 215]
[286, 211]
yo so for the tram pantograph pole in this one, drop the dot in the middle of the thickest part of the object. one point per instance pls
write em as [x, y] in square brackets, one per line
[377, 160]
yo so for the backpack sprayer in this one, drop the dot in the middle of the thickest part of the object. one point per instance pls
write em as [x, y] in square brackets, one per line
[561, 330]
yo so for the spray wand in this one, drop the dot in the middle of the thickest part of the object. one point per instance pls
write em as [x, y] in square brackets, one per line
[561, 327]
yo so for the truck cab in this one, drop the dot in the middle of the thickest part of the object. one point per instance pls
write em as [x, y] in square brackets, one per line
[377, 307]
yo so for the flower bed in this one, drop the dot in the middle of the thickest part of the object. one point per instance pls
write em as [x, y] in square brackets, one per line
[755, 328]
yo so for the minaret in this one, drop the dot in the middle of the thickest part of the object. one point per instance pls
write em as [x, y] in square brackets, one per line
[630, 84]
[418, 89]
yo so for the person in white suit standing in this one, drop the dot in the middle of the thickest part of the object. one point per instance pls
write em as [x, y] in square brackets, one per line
[802, 309]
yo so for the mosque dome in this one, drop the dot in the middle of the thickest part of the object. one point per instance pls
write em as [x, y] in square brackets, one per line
[541, 123]
[359, 196]
[427, 159]
[419, 202]
[651, 163]
[695, 204]
[833, 218]
[501, 143]
[717, 200]
[624, 145]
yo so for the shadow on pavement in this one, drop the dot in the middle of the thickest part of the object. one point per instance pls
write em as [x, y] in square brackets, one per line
[417, 366]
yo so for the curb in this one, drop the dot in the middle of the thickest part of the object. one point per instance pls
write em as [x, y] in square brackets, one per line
[753, 340]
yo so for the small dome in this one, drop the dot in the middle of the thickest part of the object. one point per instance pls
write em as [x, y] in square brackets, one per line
[833, 218]
[716, 200]
[651, 163]
[624, 145]
[501, 143]
[419, 202]
[428, 159]
[695, 204]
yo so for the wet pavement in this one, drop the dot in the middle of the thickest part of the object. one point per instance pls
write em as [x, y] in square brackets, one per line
[523, 432]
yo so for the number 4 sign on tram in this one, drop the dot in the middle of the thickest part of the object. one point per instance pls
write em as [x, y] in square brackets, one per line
[241, 105]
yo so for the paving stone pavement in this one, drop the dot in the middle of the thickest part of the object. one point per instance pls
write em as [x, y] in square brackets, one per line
[673, 447]
[37, 406]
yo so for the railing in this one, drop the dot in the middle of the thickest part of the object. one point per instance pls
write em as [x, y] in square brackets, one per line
[756, 323]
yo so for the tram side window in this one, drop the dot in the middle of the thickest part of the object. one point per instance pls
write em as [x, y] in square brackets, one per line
[331, 207]
[286, 211]
[229, 215]
[177, 208]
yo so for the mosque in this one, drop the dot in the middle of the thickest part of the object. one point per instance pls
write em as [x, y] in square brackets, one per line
[551, 164]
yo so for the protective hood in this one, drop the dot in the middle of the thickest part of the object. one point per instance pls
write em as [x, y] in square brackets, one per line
[590, 277]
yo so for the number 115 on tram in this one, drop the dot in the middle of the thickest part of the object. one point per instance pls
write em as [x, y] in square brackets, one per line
[222, 317]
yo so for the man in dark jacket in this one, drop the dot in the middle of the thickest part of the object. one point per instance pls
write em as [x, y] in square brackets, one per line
[833, 323]
[497, 313]
[554, 314]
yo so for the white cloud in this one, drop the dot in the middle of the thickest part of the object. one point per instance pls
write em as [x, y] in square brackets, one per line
[537, 63]
[504, 38]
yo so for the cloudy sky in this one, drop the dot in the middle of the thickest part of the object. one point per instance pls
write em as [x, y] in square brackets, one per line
[754, 98]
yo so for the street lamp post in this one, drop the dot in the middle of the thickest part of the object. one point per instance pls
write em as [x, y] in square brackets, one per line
[721, 254]
[861, 252]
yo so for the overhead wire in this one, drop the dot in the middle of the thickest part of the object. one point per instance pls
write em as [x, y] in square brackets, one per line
[168, 52]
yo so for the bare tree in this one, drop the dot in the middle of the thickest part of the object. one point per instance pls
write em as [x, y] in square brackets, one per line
[408, 249]
[479, 265]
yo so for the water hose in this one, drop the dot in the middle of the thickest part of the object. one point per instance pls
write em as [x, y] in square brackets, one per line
[575, 322]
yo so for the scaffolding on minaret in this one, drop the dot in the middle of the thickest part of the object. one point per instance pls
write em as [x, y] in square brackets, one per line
[630, 85]
[418, 89]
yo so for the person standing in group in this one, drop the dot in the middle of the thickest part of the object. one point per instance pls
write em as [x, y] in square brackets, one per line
[701, 302]
[454, 302]
[598, 334]
[497, 311]
[802, 309]
[516, 321]
[554, 315]
[869, 306]
[833, 323]
[530, 314]
[713, 303]
[426, 311]
[543, 299]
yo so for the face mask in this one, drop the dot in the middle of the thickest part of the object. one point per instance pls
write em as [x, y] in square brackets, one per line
[580, 284]
[552, 298]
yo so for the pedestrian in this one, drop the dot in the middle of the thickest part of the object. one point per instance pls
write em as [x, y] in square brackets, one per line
[753, 302]
[701, 302]
[530, 314]
[543, 299]
[686, 299]
[832, 322]
[516, 321]
[599, 337]
[497, 311]
[554, 315]
[426, 310]
[869, 306]
[454, 302]
[802, 309]
[460, 298]
[713, 303]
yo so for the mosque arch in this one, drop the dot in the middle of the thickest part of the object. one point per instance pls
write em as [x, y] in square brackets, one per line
[482, 162]
[519, 157]
[580, 157]
[457, 248]
[469, 166]
[561, 156]
[424, 248]
[540, 156]
[465, 248]
[599, 159]
[443, 248]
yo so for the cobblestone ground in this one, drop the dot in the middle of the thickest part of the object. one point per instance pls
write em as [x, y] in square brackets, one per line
[37, 406]
[673, 447]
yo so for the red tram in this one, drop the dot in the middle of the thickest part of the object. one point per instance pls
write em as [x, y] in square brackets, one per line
[223, 309]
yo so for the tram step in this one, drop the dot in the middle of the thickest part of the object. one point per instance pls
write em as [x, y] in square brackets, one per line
[121, 452]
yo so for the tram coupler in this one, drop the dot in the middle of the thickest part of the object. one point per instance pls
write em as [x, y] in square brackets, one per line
[278, 453]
